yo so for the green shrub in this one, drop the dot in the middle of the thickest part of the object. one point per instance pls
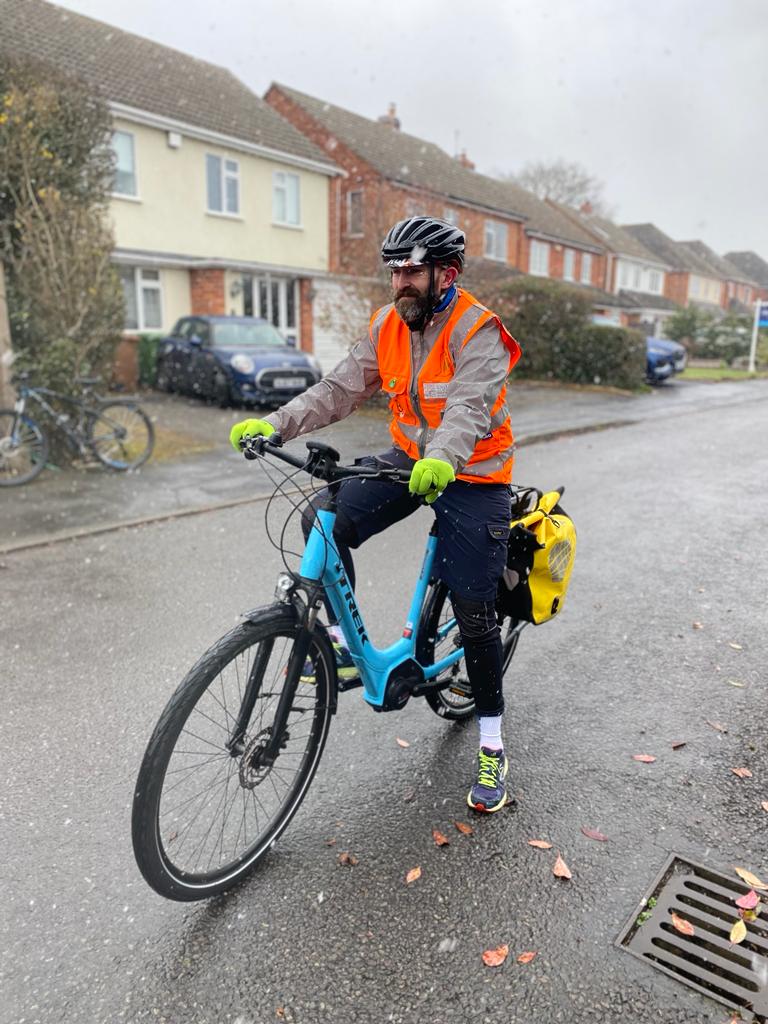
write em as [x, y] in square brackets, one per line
[552, 322]
[147, 355]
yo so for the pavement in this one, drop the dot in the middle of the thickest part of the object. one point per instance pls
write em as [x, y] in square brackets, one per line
[199, 471]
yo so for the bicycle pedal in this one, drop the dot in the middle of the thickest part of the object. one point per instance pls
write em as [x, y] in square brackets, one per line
[349, 684]
[460, 691]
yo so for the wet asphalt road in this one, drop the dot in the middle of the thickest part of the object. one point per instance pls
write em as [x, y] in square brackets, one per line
[97, 632]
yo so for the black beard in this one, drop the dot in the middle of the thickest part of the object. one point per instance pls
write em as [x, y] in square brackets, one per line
[412, 311]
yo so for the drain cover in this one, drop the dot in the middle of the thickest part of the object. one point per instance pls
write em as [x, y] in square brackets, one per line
[736, 975]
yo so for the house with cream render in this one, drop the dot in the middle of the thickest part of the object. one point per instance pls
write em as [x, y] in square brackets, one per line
[219, 204]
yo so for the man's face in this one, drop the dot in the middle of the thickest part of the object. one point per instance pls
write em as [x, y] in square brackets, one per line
[410, 288]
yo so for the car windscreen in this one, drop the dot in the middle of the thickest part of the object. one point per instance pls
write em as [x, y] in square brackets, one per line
[243, 335]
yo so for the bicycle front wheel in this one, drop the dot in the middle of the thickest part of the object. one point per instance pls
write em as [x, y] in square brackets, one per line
[121, 435]
[23, 449]
[438, 636]
[206, 809]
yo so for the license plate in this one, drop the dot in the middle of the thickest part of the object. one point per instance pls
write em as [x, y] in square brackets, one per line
[288, 382]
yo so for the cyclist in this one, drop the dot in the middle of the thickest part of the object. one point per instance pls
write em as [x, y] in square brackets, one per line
[443, 359]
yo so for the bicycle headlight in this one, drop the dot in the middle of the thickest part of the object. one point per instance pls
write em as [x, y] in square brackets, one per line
[283, 587]
[241, 363]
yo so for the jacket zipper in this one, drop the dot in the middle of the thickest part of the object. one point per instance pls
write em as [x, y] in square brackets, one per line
[413, 392]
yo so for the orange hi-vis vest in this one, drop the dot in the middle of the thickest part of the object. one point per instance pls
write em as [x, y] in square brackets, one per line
[418, 394]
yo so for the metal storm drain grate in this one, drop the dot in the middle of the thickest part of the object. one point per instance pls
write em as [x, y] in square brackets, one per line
[736, 975]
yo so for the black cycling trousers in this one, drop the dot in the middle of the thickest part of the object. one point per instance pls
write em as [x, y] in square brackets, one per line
[472, 524]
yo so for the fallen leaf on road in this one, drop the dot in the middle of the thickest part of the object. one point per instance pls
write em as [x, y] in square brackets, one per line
[752, 880]
[716, 725]
[402, 743]
[696, 625]
[412, 875]
[736, 682]
[409, 796]
[736, 647]
[738, 932]
[330, 842]
[540, 844]
[466, 830]
[495, 957]
[280, 1013]
[561, 869]
[743, 773]
[439, 838]
[645, 758]
[347, 858]
[681, 925]
[592, 833]
[749, 901]
[764, 805]
[525, 958]
[677, 744]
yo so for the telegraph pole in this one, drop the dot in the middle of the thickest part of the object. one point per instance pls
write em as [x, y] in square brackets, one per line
[7, 394]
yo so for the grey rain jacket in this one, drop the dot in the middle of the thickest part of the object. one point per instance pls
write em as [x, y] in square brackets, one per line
[481, 369]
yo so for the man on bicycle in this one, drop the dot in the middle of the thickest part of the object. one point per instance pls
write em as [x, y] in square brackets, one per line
[443, 359]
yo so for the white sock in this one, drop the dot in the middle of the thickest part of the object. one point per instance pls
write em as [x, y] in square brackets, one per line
[490, 731]
[336, 634]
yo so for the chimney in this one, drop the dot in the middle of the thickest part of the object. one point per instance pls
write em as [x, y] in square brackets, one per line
[465, 161]
[586, 207]
[390, 117]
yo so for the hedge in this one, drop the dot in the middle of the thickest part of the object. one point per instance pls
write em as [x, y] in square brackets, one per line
[148, 345]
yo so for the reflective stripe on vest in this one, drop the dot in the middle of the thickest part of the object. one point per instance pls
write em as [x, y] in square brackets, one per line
[417, 394]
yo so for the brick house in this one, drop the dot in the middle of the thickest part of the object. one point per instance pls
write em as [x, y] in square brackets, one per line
[390, 175]
[738, 290]
[219, 204]
[754, 267]
[690, 279]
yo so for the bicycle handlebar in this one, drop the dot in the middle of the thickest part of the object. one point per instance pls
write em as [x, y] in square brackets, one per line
[321, 462]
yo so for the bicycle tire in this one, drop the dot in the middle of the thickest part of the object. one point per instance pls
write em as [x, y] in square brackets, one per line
[159, 838]
[455, 702]
[32, 445]
[121, 435]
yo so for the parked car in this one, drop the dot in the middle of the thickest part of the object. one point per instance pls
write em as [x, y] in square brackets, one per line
[233, 359]
[664, 358]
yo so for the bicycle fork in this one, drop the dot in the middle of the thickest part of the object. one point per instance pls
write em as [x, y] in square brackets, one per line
[267, 752]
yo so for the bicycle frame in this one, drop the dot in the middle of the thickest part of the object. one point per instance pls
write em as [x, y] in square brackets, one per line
[74, 436]
[321, 565]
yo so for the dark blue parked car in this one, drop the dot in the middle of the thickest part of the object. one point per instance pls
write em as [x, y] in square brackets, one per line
[233, 359]
[664, 358]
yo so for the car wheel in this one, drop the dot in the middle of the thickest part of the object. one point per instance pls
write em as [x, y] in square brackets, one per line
[163, 380]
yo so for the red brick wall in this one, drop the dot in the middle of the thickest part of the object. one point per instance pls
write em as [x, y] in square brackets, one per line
[676, 286]
[207, 292]
[305, 315]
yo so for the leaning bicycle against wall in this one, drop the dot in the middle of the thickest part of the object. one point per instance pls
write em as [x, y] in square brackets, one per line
[443, 359]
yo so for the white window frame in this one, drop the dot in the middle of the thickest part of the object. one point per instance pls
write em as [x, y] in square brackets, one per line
[225, 174]
[496, 241]
[693, 285]
[349, 232]
[569, 265]
[538, 258]
[586, 268]
[655, 281]
[126, 195]
[451, 216]
[280, 182]
[140, 284]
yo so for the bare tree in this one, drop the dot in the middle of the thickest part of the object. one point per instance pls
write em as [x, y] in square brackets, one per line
[563, 181]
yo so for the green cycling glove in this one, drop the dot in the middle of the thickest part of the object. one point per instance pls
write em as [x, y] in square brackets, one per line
[430, 477]
[254, 428]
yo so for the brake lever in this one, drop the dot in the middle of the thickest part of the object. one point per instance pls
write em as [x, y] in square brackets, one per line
[252, 447]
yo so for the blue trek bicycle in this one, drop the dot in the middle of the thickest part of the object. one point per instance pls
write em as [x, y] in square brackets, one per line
[239, 742]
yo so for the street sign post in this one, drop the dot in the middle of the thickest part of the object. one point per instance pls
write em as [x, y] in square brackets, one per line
[761, 320]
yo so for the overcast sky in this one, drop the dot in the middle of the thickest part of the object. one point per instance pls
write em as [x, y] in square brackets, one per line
[666, 101]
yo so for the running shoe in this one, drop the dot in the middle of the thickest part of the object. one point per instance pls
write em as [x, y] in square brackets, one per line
[345, 668]
[489, 793]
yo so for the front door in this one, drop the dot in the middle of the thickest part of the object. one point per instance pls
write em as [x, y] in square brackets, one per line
[275, 299]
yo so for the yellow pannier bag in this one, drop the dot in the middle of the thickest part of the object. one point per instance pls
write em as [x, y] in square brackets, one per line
[540, 555]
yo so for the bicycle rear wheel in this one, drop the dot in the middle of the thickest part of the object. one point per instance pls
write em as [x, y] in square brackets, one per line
[23, 449]
[205, 811]
[121, 435]
[438, 636]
